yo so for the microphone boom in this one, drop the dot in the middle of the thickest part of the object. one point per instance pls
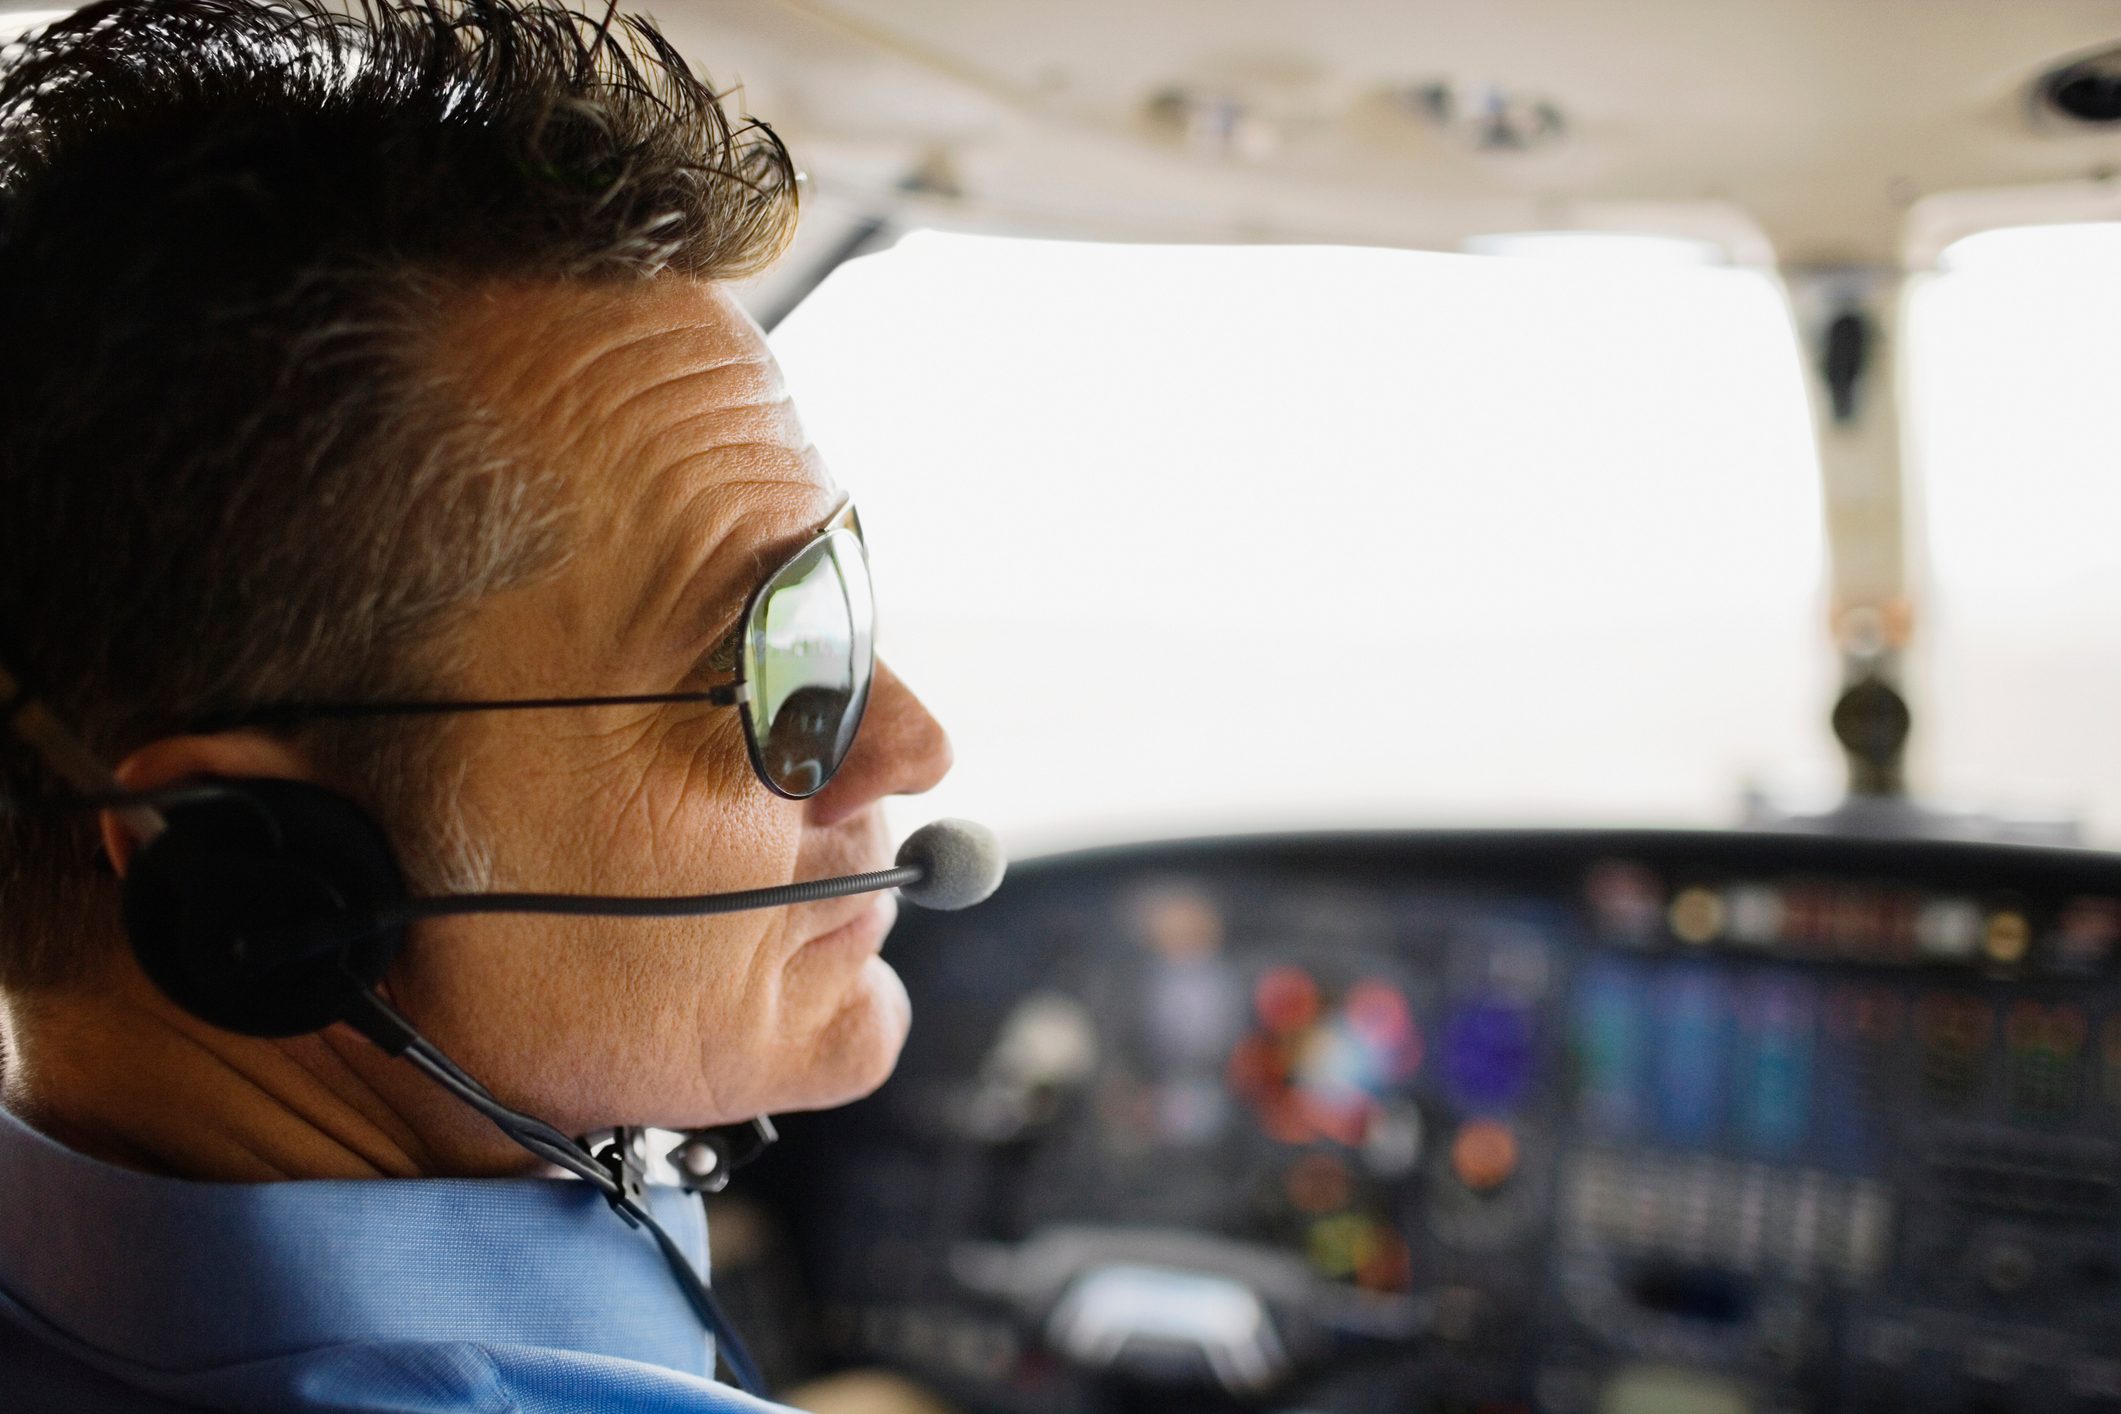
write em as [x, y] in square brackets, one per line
[945, 864]
[656, 906]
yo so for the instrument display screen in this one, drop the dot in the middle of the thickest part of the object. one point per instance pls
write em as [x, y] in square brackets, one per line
[1569, 1122]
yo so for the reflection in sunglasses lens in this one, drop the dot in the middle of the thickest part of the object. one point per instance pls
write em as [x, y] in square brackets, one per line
[809, 663]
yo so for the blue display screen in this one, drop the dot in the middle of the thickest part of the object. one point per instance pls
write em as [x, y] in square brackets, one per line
[1752, 1063]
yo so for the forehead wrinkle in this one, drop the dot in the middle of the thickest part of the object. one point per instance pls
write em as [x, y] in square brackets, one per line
[697, 381]
[692, 575]
[776, 416]
[682, 413]
[703, 465]
[548, 371]
[606, 409]
[670, 418]
[654, 410]
[580, 366]
[610, 414]
[703, 453]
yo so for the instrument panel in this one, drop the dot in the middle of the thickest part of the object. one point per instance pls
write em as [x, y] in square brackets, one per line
[1564, 1121]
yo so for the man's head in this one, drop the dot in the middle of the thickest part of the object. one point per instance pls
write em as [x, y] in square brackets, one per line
[386, 357]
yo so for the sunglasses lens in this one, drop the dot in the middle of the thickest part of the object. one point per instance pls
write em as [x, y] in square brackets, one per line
[808, 656]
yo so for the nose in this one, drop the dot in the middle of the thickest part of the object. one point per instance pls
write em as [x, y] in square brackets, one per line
[900, 750]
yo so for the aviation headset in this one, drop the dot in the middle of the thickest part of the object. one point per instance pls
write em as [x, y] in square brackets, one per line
[274, 908]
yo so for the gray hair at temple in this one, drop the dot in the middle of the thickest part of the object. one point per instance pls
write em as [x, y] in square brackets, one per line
[233, 465]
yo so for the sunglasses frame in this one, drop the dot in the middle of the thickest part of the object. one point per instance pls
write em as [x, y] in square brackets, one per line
[843, 521]
[735, 693]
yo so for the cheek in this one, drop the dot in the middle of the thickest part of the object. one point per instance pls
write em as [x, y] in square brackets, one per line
[583, 1019]
[682, 806]
[665, 806]
[595, 1021]
[589, 1022]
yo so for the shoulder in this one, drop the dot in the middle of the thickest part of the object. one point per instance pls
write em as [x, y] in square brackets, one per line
[432, 1377]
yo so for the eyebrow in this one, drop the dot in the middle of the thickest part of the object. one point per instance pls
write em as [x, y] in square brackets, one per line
[711, 590]
[710, 607]
[709, 600]
[723, 654]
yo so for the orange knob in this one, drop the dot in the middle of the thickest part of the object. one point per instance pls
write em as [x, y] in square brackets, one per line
[1484, 1155]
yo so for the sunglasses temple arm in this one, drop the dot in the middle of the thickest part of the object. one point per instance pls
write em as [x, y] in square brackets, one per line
[293, 713]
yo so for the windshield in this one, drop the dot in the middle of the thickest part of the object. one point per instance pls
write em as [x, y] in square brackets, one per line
[2013, 376]
[1189, 539]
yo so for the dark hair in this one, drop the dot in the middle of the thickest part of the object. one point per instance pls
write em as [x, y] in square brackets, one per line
[232, 467]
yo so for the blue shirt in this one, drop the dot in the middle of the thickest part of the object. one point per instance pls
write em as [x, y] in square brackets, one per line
[127, 1293]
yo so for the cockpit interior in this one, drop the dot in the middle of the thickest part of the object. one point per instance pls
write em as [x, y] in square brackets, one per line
[1412, 1087]
[1534, 590]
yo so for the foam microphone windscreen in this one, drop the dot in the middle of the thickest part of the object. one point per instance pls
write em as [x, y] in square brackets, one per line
[961, 862]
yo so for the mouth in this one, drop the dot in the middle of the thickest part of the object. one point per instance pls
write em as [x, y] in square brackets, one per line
[863, 933]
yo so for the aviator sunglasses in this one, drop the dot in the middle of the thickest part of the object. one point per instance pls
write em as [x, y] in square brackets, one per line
[806, 656]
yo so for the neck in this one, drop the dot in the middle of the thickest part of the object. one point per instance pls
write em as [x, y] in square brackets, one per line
[113, 1070]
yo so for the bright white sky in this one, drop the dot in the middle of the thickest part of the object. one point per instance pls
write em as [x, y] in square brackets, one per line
[1183, 539]
[2016, 381]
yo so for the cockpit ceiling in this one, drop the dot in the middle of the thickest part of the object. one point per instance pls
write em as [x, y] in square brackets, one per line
[1804, 131]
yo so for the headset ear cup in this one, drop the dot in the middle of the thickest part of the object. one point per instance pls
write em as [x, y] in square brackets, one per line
[221, 907]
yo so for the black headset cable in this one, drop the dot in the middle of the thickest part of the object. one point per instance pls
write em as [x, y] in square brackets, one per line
[544, 1142]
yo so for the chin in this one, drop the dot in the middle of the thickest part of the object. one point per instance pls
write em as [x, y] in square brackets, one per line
[859, 1048]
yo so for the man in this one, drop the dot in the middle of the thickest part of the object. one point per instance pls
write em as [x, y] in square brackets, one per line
[388, 360]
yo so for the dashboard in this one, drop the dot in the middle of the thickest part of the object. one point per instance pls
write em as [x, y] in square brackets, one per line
[1636, 1123]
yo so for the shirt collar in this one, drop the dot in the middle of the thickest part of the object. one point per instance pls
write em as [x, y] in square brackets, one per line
[177, 1274]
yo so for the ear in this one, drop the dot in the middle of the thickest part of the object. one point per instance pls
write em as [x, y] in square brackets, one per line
[176, 759]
